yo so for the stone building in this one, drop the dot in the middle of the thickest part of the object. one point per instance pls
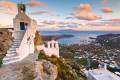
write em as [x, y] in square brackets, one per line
[24, 34]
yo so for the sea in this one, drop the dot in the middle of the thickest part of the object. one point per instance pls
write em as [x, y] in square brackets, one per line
[80, 37]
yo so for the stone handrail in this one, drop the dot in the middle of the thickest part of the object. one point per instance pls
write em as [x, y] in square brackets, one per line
[22, 50]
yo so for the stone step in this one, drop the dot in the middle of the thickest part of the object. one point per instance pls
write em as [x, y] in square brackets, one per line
[11, 51]
[10, 58]
[16, 34]
[16, 45]
[12, 48]
[10, 55]
[17, 40]
[11, 62]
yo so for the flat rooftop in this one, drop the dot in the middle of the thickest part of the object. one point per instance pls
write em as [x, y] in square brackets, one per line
[102, 74]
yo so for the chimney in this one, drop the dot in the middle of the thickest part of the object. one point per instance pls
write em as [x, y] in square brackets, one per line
[99, 66]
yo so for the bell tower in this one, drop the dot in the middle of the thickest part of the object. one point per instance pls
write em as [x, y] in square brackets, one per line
[21, 8]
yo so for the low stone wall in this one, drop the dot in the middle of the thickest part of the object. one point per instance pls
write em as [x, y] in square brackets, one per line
[50, 49]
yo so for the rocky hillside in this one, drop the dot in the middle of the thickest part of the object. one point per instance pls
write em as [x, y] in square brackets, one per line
[6, 40]
[109, 40]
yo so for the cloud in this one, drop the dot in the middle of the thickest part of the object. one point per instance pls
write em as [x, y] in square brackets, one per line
[55, 25]
[110, 22]
[107, 10]
[104, 2]
[103, 25]
[69, 18]
[50, 22]
[8, 7]
[83, 13]
[41, 12]
[35, 4]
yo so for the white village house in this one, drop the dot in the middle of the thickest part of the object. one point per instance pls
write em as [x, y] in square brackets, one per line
[24, 33]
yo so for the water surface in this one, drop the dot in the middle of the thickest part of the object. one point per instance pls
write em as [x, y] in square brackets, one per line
[79, 36]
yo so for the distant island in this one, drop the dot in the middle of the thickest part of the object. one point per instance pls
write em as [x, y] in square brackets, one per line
[67, 30]
[55, 37]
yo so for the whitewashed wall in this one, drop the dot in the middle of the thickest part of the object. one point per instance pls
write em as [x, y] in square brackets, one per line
[50, 50]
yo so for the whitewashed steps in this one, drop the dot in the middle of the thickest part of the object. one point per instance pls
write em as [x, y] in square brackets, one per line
[11, 56]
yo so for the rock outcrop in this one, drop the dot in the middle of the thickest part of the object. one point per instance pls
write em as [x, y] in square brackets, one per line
[40, 70]
[6, 40]
[46, 70]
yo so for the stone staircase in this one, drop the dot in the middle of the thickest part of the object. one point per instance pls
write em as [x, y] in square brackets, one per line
[11, 56]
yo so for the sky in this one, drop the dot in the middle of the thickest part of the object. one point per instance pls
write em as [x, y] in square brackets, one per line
[84, 15]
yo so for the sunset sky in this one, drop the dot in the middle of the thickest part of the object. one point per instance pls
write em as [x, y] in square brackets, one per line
[84, 15]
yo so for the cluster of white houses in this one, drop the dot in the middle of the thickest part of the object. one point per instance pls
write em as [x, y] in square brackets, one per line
[24, 33]
[101, 74]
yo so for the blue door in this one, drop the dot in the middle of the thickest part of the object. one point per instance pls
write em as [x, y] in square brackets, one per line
[22, 26]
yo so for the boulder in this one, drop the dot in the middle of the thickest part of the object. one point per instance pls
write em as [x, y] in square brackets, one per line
[46, 70]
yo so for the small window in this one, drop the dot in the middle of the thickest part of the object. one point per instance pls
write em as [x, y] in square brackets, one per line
[26, 24]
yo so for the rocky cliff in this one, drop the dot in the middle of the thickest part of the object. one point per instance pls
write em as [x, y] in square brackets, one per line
[6, 40]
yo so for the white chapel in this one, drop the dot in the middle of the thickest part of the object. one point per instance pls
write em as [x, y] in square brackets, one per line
[24, 34]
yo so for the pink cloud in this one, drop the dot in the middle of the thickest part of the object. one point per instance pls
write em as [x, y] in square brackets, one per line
[50, 22]
[104, 2]
[83, 13]
[8, 7]
[35, 4]
[107, 10]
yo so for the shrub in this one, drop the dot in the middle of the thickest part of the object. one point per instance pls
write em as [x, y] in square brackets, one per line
[68, 63]
[58, 67]
[69, 77]
[50, 59]
[64, 72]
[63, 63]
[61, 60]
[54, 56]
[46, 56]
[66, 77]
[59, 72]
[54, 60]
[42, 52]
[61, 57]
